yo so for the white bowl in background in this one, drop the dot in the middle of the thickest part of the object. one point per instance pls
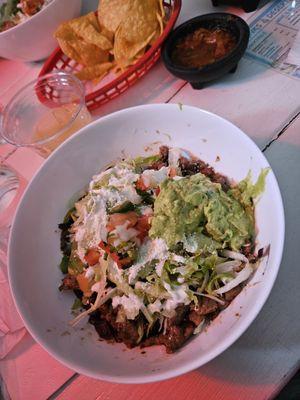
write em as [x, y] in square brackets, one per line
[34, 253]
[32, 40]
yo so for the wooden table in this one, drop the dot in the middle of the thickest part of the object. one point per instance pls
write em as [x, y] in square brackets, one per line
[266, 105]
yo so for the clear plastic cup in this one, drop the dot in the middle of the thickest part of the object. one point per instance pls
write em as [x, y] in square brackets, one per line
[41, 115]
[45, 112]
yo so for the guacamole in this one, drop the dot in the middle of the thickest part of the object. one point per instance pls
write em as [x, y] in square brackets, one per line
[195, 204]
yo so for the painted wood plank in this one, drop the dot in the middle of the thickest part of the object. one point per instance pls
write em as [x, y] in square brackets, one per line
[13, 76]
[26, 162]
[5, 151]
[30, 373]
[257, 99]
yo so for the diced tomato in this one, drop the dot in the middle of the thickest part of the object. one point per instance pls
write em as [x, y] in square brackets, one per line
[157, 191]
[113, 255]
[119, 219]
[83, 283]
[104, 247]
[142, 236]
[92, 256]
[143, 227]
[143, 223]
[124, 261]
[140, 184]
[172, 172]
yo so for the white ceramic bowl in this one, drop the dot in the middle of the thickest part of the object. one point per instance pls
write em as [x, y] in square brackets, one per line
[34, 244]
[33, 39]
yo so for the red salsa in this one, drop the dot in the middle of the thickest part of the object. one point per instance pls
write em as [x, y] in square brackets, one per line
[203, 47]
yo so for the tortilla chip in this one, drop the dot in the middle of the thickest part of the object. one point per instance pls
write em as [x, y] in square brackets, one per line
[89, 53]
[80, 40]
[87, 28]
[65, 32]
[123, 31]
[110, 35]
[69, 51]
[125, 54]
[137, 30]
[93, 20]
[162, 9]
[112, 12]
[94, 71]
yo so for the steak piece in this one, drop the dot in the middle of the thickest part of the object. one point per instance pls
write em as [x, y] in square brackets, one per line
[221, 179]
[231, 294]
[127, 332]
[69, 283]
[204, 307]
[107, 326]
[173, 339]
[177, 336]
[192, 167]
[180, 316]
[178, 330]
[101, 325]
[157, 165]
[195, 317]
[164, 159]
[164, 154]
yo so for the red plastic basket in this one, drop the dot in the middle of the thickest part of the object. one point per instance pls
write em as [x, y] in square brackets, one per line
[95, 98]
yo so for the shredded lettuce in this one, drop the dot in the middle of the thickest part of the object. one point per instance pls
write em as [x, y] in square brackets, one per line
[116, 276]
[77, 304]
[239, 278]
[100, 299]
[140, 162]
[122, 208]
[75, 265]
[200, 327]
[246, 191]
[147, 269]
[227, 266]
[215, 279]
[64, 264]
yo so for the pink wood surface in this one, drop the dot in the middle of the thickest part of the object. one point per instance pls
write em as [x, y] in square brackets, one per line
[30, 373]
[15, 75]
[192, 386]
[6, 150]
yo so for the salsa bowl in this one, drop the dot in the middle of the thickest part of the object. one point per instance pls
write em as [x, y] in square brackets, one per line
[198, 76]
